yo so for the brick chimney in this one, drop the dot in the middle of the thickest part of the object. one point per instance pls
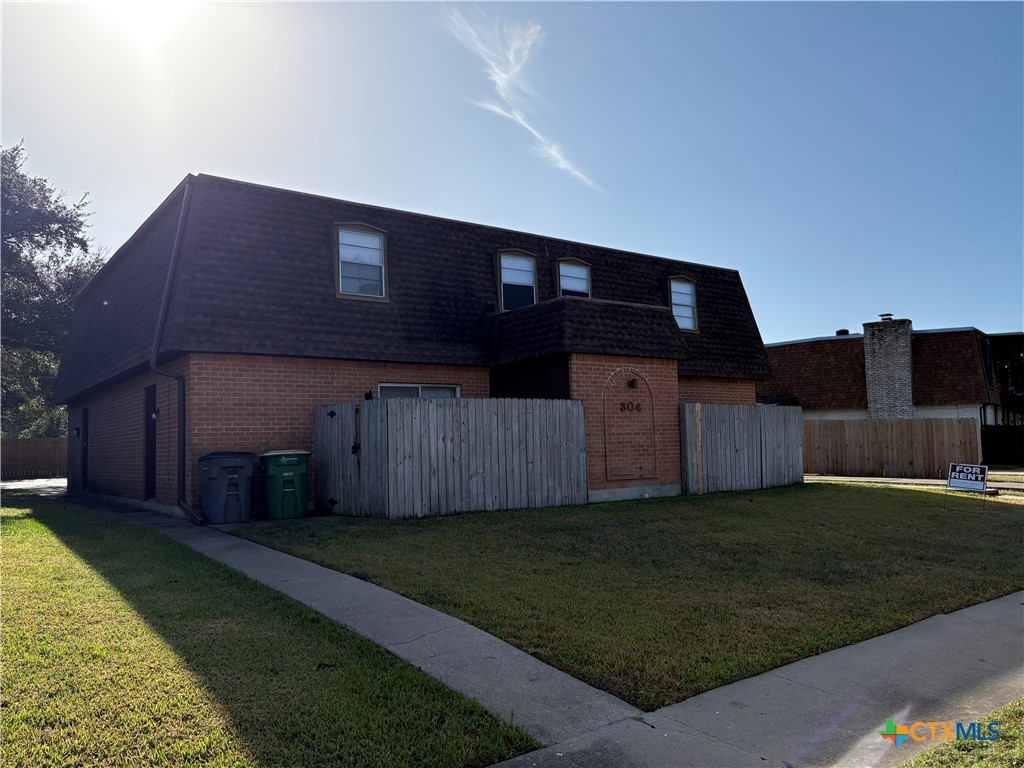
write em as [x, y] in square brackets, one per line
[888, 368]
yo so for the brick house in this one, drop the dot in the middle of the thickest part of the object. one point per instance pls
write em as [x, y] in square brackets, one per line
[891, 371]
[235, 309]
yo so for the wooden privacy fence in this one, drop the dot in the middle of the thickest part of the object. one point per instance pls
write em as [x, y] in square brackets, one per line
[412, 458]
[24, 458]
[740, 447]
[888, 447]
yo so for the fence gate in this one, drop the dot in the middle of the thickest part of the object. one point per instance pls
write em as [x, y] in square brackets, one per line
[740, 447]
[418, 457]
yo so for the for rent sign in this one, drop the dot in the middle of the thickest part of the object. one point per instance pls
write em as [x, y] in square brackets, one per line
[967, 477]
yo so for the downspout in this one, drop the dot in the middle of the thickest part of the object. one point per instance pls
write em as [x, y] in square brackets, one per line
[161, 319]
[982, 423]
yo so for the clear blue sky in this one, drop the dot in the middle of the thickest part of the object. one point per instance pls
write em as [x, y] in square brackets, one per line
[849, 158]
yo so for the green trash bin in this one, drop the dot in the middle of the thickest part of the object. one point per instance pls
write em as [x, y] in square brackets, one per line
[286, 473]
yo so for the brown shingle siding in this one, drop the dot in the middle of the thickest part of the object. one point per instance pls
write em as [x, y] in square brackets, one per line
[827, 373]
[256, 275]
[948, 369]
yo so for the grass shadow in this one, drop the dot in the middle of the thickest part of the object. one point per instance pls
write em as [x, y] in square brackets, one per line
[220, 670]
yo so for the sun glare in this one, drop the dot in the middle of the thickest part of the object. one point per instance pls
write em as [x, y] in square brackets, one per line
[151, 23]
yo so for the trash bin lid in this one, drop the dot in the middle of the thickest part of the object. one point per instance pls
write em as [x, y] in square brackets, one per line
[228, 455]
[285, 453]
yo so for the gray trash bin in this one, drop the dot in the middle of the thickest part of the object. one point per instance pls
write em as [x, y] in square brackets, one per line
[227, 486]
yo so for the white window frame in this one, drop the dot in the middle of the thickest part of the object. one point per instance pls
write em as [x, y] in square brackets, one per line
[361, 229]
[456, 387]
[672, 283]
[501, 276]
[579, 265]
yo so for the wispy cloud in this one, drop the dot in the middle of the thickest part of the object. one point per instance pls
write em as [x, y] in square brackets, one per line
[505, 52]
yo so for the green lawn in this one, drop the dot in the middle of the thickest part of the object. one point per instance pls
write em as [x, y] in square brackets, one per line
[658, 600]
[123, 648]
[1008, 752]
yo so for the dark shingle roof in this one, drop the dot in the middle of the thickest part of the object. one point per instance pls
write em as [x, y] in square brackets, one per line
[113, 326]
[256, 275]
[587, 326]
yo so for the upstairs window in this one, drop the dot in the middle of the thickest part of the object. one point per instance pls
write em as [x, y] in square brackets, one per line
[518, 281]
[684, 304]
[384, 391]
[573, 279]
[360, 262]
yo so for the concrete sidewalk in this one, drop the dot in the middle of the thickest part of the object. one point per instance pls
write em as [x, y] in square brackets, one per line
[822, 711]
[826, 710]
[998, 485]
[547, 703]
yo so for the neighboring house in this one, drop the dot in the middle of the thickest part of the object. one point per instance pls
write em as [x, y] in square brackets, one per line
[236, 309]
[894, 372]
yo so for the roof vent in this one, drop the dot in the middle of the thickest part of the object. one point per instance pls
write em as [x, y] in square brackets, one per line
[886, 316]
[843, 332]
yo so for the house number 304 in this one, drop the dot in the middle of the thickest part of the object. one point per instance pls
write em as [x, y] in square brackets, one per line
[629, 406]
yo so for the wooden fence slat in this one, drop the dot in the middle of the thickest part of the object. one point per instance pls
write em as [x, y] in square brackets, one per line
[391, 424]
[446, 472]
[517, 458]
[888, 447]
[512, 455]
[360, 431]
[431, 446]
[408, 504]
[557, 458]
[582, 480]
[524, 463]
[502, 442]
[473, 453]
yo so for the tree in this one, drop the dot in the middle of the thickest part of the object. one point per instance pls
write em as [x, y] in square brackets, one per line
[46, 260]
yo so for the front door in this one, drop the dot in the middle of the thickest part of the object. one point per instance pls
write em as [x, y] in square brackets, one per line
[149, 444]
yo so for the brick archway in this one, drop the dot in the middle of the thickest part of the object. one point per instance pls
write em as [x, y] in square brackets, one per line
[629, 435]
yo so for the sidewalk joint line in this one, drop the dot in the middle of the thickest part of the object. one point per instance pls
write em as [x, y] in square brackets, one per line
[805, 685]
[426, 634]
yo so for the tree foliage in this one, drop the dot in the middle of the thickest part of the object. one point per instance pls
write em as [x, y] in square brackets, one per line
[28, 378]
[46, 260]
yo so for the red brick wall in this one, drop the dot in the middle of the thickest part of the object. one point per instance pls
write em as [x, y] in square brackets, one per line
[235, 402]
[611, 441]
[695, 389]
[256, 403]
[116, 438]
